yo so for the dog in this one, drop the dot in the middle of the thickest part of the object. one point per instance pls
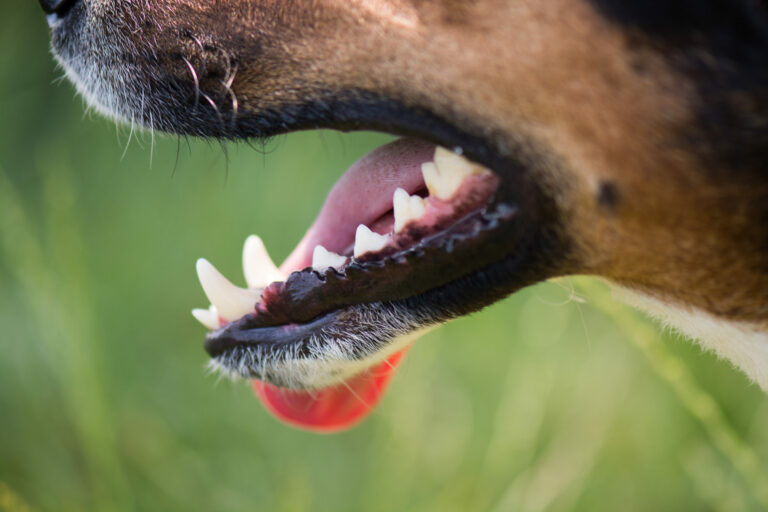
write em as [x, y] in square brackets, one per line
[624, 139]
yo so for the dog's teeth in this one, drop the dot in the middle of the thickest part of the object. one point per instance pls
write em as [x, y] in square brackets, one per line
[208, 317]
[438, 185]
[443, 177]
[323, 259]
[258, 267]
[449, 162]
[231, 301]
[367, 241]
[406, 208]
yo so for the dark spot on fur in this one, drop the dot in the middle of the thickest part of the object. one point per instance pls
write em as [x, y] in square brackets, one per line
[608, 195]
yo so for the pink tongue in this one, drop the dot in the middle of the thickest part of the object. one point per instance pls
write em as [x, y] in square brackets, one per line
[330, 409]
[361, 196]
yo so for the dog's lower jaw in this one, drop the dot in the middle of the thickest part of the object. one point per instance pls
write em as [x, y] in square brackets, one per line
[744, 344]
[330, 362]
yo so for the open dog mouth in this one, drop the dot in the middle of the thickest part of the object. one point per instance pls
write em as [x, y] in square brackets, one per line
[384, 260]
[413, 235]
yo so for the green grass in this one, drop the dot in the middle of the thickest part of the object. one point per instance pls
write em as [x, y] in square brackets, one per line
[556, 399]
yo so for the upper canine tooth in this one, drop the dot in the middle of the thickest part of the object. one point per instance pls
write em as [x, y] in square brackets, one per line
[406, 208]
[323, 259]
[367, 241]
[258, 267]
[208, 317]
[231, 301]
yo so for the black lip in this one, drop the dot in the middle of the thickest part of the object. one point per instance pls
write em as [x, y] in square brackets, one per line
[308, 298]
[241, 332]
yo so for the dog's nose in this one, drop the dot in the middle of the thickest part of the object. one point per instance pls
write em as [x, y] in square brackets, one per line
[57, 7]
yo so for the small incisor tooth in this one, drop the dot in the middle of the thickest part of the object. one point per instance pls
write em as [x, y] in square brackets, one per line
[406, 208]
[367, 241]
[443, 177]
[258, 267]
[231, 301]
[323, 259]
[208, 317]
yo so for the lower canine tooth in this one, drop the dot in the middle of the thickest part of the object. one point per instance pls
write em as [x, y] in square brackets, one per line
[323, 259]
[231, 301]
[367, 241]
[208, 317]
[258, 267]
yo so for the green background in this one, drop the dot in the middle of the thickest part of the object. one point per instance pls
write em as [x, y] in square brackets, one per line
[555, 399]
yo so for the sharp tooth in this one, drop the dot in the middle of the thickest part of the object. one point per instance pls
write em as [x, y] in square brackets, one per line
[449, 162]
[323, 259]
[367, 241]
[406, 208]
[258, 267]
[443, 177]
[231, 301]
[208, 317]
[440, 184]
[401, 207]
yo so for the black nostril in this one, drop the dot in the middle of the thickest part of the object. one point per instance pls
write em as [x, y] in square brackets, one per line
[58, 7]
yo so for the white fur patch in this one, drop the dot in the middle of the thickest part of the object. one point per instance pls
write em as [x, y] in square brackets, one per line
[334, 368]
[744, 344]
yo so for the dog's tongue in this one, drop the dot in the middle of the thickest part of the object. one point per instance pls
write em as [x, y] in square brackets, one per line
[362, 196]
[330, 409]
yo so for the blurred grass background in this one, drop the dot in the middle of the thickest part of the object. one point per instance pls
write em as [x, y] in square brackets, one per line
[556, 399]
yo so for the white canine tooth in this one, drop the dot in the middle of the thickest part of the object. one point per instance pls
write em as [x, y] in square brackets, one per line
[443, 177]
[208, 317]
[258, 267]
[367, 241]
[323, 259]
[406, 208]
[231, 301]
